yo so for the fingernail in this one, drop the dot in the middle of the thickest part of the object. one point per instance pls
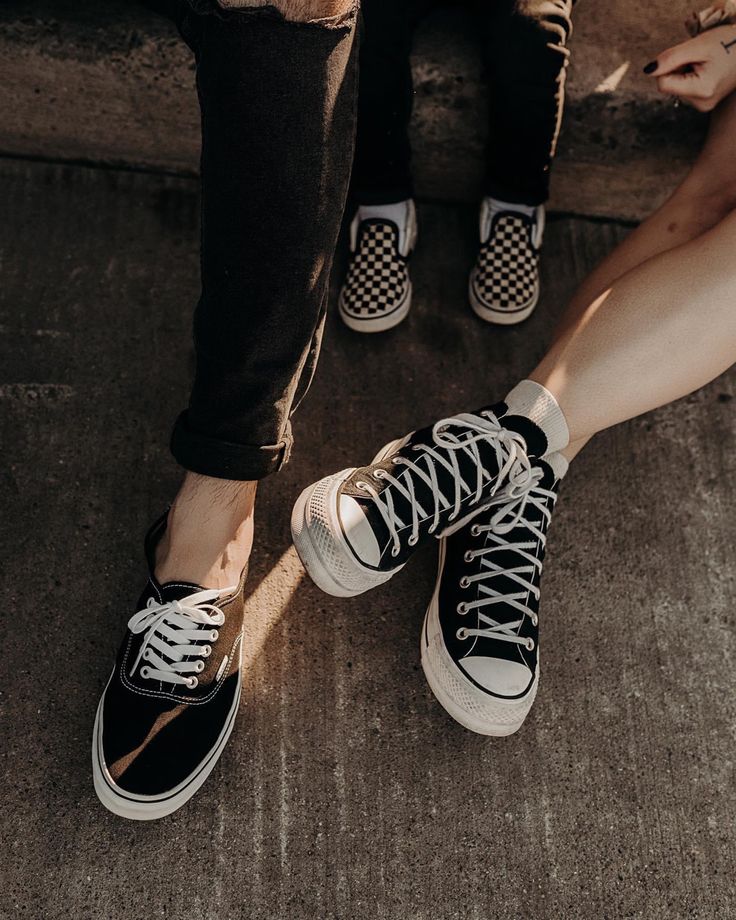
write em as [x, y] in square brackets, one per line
[651, 67]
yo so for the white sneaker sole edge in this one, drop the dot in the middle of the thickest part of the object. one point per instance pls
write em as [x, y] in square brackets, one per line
[501, 317]
[354, 579]
[376, 323]
[150, 808]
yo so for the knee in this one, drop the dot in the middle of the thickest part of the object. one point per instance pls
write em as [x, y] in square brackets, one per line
[707, 198]
[299, 10]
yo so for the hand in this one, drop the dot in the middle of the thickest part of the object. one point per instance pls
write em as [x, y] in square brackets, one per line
[701, 71]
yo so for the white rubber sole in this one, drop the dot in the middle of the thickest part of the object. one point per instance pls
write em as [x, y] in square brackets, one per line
[501, 317]
[319, 541]
[150, 808]
[377, 323]
[459, 697]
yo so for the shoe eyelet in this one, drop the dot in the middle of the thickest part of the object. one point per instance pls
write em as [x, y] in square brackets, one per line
[475, 530]
[361, 485]
[530, 644]
[192, 682]
[412, 541]
[200, 666]
[464, 582]
[214, 635]
[535, 620]
[144, 672]
[379, 474]
[469, 555]
[395, 551]
[462, 609]
[461, 634]
[206, 651]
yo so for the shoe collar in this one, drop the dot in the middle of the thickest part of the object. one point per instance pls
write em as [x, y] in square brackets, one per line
[487, 222]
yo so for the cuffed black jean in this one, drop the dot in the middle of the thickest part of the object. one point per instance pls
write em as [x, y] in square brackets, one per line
[525, 55]
[278, 103]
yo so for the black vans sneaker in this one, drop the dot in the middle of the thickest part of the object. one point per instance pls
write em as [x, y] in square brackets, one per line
[376, 295]
[480, 640]
[171, 701]
[504, 284]
[356, 529]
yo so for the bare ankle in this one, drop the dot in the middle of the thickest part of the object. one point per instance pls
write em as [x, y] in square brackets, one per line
[209, 534]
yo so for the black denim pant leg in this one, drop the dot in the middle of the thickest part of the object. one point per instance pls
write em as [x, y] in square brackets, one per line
[526, 55]
[382, 169]
[278, 104]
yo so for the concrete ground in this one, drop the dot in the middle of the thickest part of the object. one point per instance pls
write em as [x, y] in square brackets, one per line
[346, 792]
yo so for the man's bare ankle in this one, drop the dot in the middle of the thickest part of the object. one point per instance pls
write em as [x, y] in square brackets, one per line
[209, 534]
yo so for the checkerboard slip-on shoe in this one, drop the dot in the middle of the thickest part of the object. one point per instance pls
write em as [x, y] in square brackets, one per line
[480, 640]
[356, 529]
[504, 283]
[376, 295]
[170, 704]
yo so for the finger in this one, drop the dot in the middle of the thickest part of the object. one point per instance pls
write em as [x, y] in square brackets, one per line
[674, 59]
[677, 84]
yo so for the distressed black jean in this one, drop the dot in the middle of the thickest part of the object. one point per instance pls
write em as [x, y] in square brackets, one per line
[278, 104]
[524, 48]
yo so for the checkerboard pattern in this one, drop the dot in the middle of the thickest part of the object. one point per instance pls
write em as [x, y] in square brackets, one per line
[506, 274]
[377, 280]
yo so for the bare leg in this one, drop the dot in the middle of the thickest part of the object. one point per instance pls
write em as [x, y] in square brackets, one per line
[210, 532]
[704, 198]
[661, 331]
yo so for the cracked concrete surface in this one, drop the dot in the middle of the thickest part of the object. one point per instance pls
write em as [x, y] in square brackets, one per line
[346, 792]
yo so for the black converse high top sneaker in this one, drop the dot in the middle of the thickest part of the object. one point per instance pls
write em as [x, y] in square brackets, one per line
[480, 640]
[170, 704]
[356, 529]
[504, 284]
[376, 295]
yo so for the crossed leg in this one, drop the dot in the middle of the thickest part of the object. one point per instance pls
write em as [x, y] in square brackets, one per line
[663, 291]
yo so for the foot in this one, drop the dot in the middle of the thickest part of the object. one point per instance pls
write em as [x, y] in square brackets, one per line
[504, 284]
[356, 529]
[480, 640]
[376, 295]
[170, 703]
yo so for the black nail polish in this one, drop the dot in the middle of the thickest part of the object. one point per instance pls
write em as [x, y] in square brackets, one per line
[651, 67]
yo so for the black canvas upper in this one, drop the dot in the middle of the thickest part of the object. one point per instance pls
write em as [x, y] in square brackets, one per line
[536, 445]
[156, 734]
[452, 593]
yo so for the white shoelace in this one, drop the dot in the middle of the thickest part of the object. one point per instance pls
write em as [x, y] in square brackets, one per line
[509, 516]
[174, 629]
[514, 470]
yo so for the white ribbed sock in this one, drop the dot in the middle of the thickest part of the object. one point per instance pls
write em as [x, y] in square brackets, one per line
[535, 402]
[558, 463]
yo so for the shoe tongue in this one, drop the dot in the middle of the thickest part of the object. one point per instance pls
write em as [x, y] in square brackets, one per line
[548, 474]
[535, 438]
[176, 590]
[422, 491]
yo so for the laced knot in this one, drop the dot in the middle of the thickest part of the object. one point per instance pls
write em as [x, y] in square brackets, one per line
[511, 514]
[177, 636]
[456, 439]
